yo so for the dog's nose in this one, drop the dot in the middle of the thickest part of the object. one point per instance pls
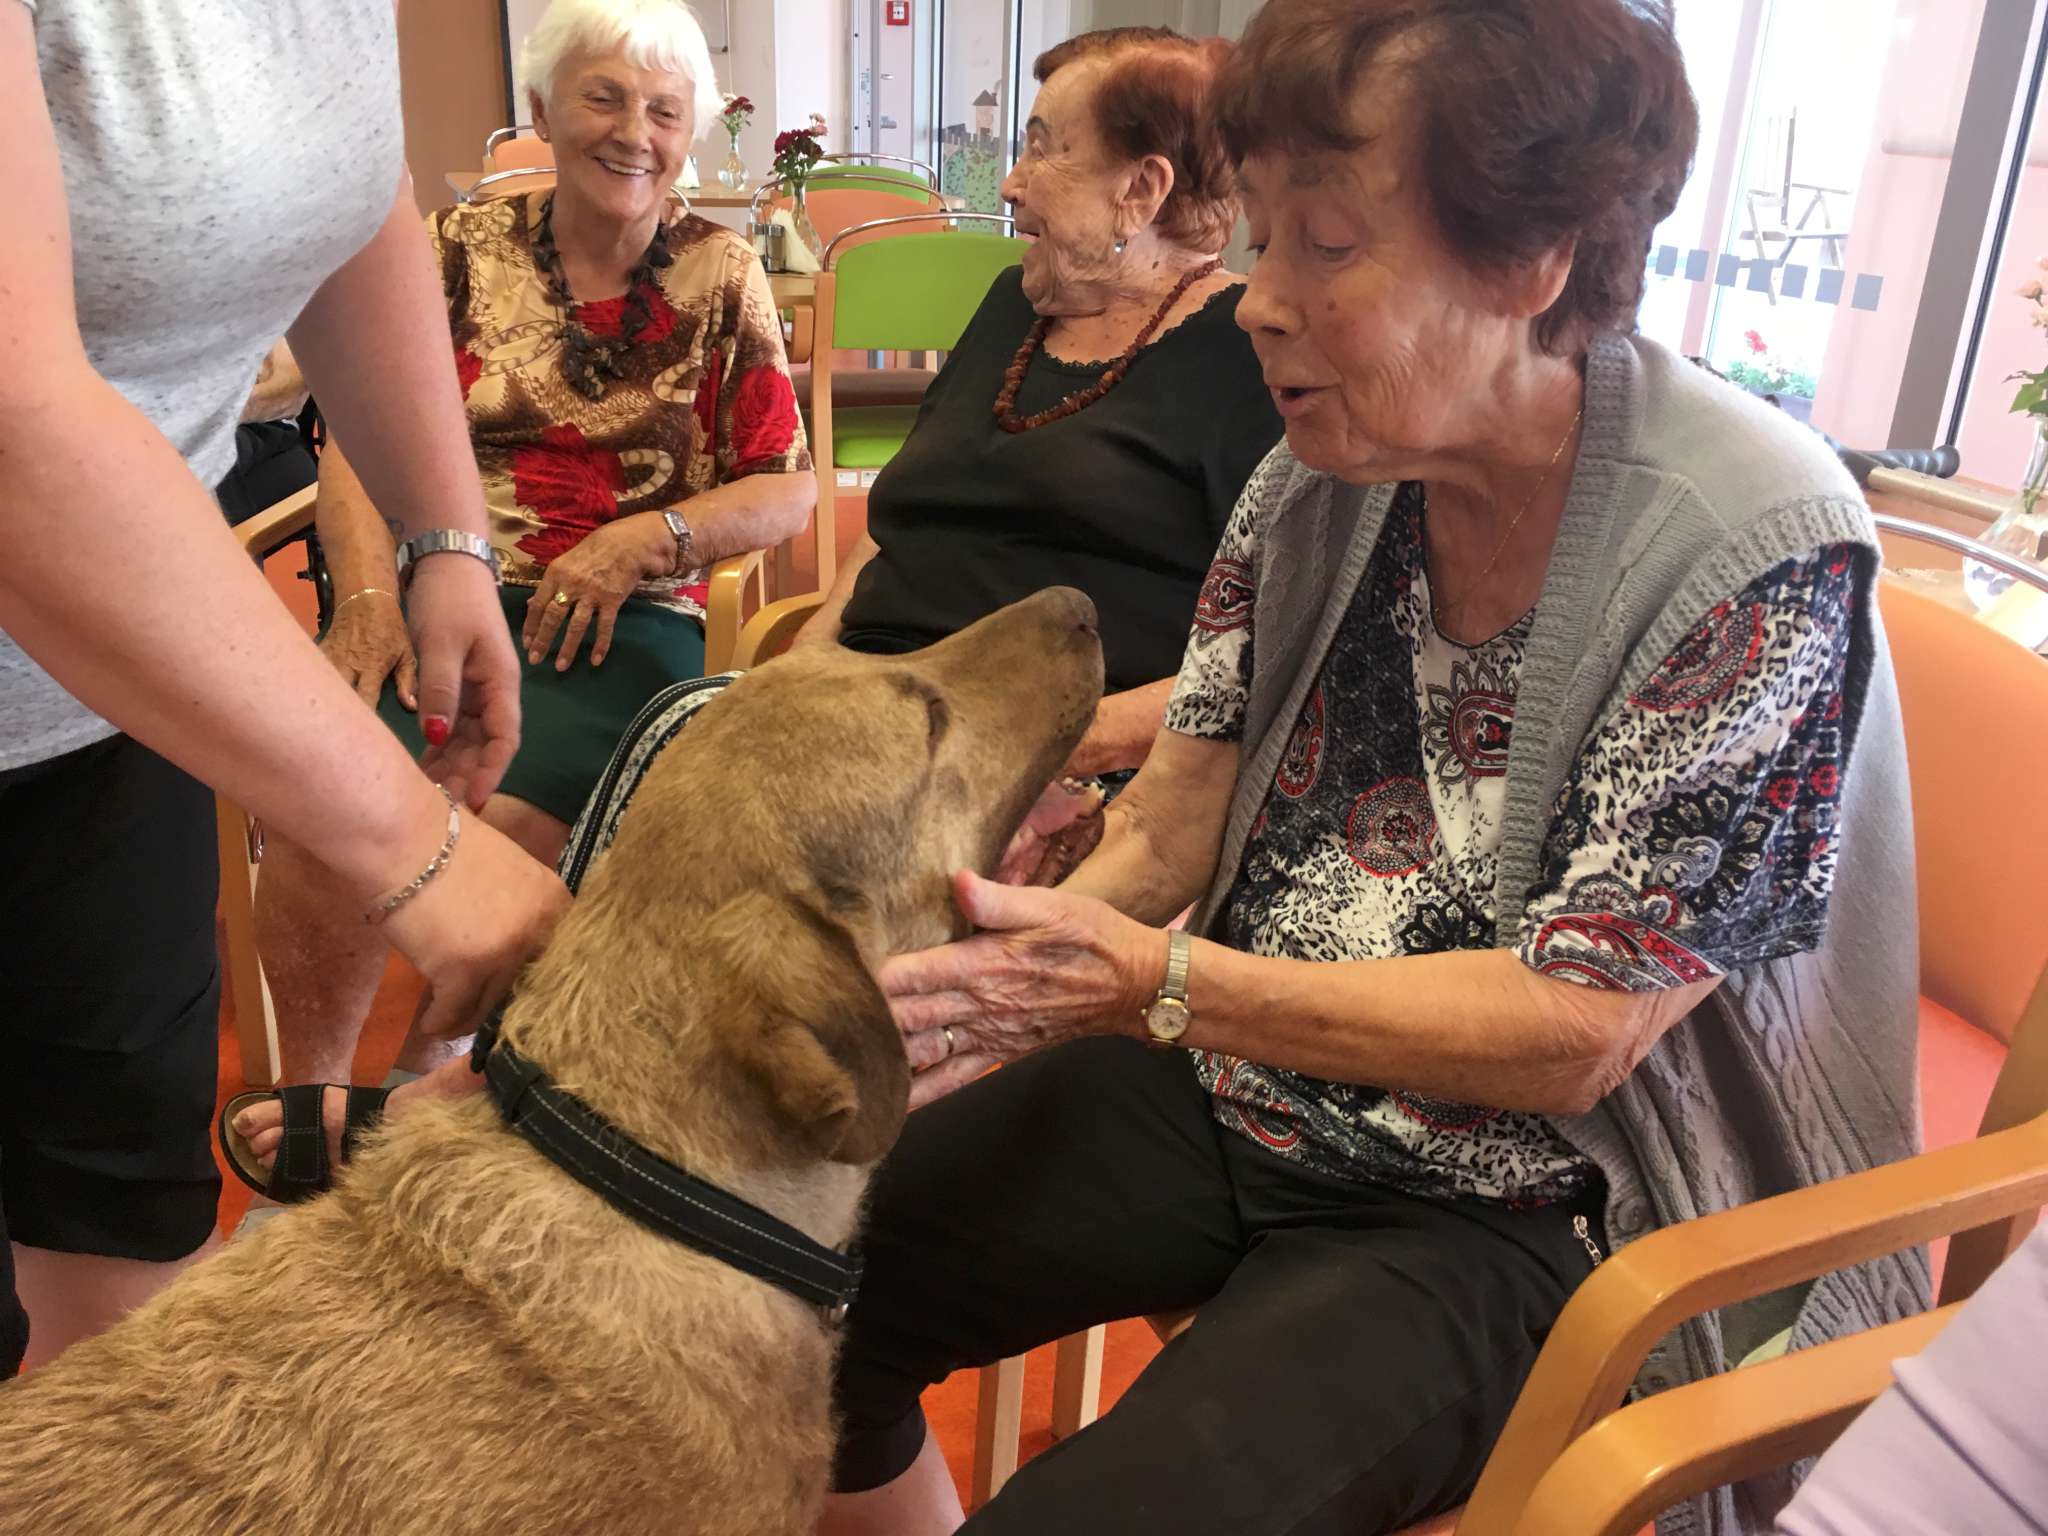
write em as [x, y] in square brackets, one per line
[1074, 607]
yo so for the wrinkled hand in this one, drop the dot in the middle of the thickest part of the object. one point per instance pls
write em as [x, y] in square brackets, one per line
[1062, 830]
[587, 584]
[468, 675]
[474, 925]
[368, 642]
[1048, 967]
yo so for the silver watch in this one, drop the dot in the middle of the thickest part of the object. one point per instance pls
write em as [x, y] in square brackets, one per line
[446, 541]
[1166, 1018]
[686, 541]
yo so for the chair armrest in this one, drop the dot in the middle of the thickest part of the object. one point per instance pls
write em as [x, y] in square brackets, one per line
[1638, 1462]
[769, 632]
[802, 329]
[278, 524]
[724, 605]
[1641, 1293]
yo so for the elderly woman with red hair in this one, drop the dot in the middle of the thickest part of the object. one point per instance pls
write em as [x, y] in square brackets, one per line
[1537, 775]
[1103, 409]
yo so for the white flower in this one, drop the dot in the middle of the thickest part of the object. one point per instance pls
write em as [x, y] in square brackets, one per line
[2040, 318]
[2031, 289]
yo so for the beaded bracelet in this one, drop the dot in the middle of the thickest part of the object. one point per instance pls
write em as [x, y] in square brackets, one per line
[391, 904]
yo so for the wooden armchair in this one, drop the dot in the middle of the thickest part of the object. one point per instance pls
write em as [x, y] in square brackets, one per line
[241, 841]
[1573, 1460]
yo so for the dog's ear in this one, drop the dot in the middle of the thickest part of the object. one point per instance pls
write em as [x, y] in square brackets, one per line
[808, 1020]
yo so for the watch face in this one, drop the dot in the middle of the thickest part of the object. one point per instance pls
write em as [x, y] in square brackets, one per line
[1167, 1018]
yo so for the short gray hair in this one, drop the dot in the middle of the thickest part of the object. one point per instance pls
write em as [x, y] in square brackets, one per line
[654, 34]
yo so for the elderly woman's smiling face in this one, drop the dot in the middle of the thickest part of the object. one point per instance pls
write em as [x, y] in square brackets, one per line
[1064, 189]
[620, 132]
[1383, 349]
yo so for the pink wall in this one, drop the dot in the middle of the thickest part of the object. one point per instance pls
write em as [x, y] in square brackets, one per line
[1926, 70]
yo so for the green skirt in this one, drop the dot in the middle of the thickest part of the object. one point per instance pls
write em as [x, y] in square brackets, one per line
[569, 722]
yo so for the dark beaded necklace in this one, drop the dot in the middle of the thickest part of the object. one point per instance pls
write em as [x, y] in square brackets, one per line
[589, 360]
[1013, 380]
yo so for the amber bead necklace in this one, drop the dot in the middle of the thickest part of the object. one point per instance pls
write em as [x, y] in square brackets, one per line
[1013, 380]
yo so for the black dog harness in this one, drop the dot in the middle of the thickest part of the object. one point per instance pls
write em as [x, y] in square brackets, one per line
[653, 1191]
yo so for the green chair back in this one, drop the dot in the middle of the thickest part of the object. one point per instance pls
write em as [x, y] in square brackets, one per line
[827, 171]
[916, 292]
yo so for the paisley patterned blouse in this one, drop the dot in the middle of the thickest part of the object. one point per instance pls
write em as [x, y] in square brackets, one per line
[705, 398]
[1695, 836]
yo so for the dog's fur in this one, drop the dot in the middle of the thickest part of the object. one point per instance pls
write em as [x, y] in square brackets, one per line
[461, 1339]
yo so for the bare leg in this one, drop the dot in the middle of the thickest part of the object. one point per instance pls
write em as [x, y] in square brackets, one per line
[323, 1019]
[323, 963]
[922, 1502]
[72, 1296]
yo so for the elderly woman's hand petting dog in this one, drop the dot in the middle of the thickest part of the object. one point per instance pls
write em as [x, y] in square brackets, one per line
[1047, 967]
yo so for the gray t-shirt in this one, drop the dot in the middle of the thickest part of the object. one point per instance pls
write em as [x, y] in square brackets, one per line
[221, 161]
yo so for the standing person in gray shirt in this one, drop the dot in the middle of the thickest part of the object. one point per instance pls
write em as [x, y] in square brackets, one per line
[186, 183]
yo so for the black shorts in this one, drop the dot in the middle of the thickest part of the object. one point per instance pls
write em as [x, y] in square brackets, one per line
[1354, 1357]
[109, 1057]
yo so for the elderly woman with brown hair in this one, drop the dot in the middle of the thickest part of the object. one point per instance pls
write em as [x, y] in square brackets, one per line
[1102, 411]
[1537, 773]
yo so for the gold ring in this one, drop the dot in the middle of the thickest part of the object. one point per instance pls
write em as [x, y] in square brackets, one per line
[947, 1031]
[561, 599]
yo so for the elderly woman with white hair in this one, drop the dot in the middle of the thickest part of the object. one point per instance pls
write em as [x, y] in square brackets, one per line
[633, 419]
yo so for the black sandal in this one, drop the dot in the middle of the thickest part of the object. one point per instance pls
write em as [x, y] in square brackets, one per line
[301, 1170]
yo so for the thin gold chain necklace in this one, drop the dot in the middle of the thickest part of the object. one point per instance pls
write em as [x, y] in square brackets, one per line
[1438, 610]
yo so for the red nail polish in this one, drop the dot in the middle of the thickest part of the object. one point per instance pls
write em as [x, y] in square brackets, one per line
[435, 728]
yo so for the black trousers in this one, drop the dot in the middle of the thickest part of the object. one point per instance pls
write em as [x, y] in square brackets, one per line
[1356, 1352]
[109, 1046]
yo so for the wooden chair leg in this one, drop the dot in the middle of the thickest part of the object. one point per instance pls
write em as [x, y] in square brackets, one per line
[998, 1423]
[1076, 1382]
[255, 1018]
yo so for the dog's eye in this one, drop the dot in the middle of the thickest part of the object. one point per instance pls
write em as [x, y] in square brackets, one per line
[939, 718]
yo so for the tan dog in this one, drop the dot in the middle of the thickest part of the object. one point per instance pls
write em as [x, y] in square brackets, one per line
[462, 1339]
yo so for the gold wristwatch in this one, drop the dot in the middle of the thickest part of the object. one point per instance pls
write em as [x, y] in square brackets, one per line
[1167, 1017]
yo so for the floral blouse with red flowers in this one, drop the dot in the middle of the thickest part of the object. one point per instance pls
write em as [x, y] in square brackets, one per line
[704, 398]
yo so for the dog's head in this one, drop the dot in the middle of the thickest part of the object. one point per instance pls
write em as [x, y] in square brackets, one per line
[805, 825]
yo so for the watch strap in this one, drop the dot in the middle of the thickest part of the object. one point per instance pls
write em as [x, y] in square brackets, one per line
[446, 541]
[1179, 952]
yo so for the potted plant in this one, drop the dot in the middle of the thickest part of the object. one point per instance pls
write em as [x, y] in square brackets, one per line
[1789, 388]
[738, 111]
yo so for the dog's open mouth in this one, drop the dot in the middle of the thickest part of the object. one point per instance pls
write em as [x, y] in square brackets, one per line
[1058, 832]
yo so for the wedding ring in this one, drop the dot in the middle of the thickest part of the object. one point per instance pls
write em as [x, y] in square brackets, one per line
[947, 1031]
[561, 599]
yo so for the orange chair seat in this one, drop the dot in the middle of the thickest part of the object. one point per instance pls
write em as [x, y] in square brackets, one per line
[1958, 1065]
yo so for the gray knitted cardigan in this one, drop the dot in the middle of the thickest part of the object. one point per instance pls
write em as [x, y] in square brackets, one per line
[1793, 1071]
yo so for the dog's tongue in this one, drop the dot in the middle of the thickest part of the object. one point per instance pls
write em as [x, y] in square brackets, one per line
[1057, 834]
[1063, 803]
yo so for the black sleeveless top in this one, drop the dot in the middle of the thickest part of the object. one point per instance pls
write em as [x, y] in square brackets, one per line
[1125, 500]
